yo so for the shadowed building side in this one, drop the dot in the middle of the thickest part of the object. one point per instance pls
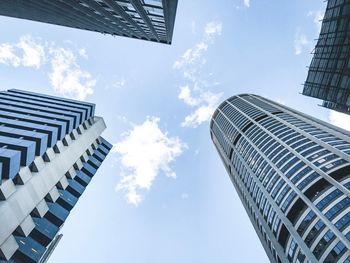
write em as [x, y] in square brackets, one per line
[329, 73]
[151, 20]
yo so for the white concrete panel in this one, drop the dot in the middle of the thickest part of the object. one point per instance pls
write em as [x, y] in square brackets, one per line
[31, 195]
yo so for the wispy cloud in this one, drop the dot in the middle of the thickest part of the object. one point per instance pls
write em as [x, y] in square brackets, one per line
[339, 119]
[33, 52]
[8, 56]
[317, 18]
[28, 52]
[246, 3]
[205, 103]
[301, 43]
[301, 40]
[213, 29]
[83, 53]
[146, 151]
[194, 92]
[65, 75]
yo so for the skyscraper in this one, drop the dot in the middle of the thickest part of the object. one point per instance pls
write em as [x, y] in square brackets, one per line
[329, 73]
[50, 149]
[292, 174]
[142, 19]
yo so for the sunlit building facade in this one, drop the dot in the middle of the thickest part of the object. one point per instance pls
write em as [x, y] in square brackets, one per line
[50, 149]
[329, 73]
[141, 19]
[292, 174]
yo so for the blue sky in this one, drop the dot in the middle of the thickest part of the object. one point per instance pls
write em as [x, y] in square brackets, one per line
[163, 195]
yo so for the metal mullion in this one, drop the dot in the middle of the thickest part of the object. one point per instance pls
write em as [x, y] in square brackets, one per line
[87, 11]
[43, 11]
[101, 10]
[301, 194]
[344, 257]
[319, 238]
[272, 203]
[82, 16]
[317, 141]
[238, 185]
[58, 15]
[167, 19]
[127, 17]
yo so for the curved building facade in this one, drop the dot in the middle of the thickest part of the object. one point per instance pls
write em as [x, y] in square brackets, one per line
[292, 173]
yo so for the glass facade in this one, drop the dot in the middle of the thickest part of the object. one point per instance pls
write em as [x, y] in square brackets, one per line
[292, 173]
[329, 76]
[141, 19]
[50, 149]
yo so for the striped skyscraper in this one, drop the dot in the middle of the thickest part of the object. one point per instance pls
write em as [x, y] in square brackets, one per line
[292, 173]
[50, 148]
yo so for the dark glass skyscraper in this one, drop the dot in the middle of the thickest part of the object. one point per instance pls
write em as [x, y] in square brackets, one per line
[142, 19]
[292, 173]
[329, 74]
[50, 149]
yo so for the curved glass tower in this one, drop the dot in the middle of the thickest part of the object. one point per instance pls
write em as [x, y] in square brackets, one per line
[292, 173]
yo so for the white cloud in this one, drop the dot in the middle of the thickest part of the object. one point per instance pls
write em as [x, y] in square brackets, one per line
[67, 78]
[206, 102]
[7, 55]
[146, 151]
[33, 52]
[246, 3]
[192, 56]
[300, 42]
[339, 119]
[213, 28]
[120, 83]
[82, 53]
[28, 52]
[317, 18]
[193, 92]
[185, 95]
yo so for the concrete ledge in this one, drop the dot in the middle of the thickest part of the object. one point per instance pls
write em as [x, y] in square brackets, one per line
[53, 195]
[63, 183]
[84, 157]
[79, 164]
[71, 173]
[29, 197]
[8, 248]
[26, 226]
[38, 164]
[23, 176]
[59, 147]
[74, 134]
[67, 140]
[49, 155]
[41, 209]
[7, 188]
